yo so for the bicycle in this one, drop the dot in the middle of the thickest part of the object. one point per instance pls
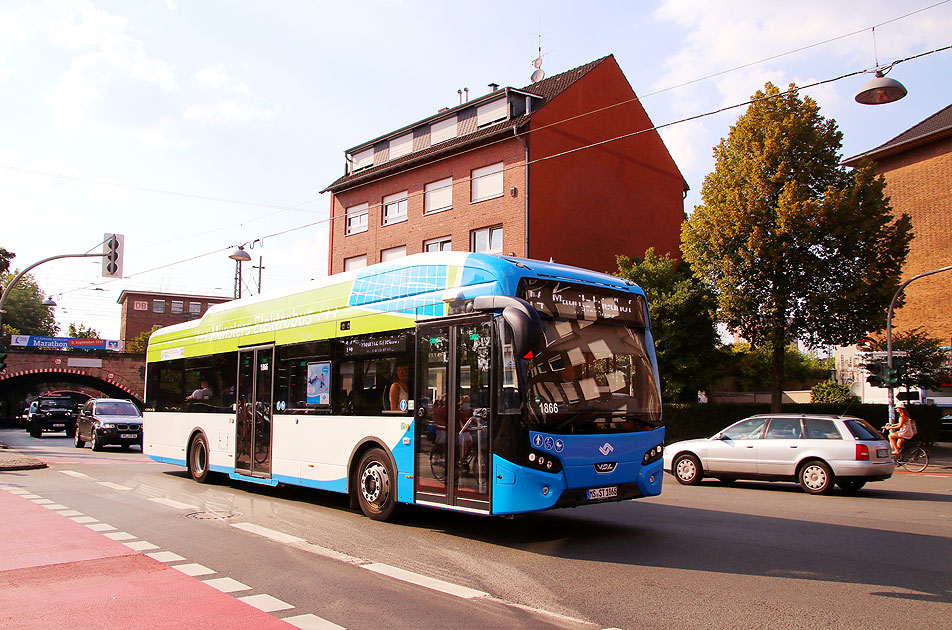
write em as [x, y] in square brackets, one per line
[913, 457]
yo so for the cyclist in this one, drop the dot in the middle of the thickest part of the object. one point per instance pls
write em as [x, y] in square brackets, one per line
[902, 430]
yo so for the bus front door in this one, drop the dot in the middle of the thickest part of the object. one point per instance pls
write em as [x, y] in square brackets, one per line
[253, 412]
[453, 457]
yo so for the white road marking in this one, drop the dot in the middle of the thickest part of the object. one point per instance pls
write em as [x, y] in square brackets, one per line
[165, 556]
[100, 527]
[194, 569]
[113, 486]
[30, 496]
[424, 581]
[271, 534]
[55, 506]
[140, 545]
[19, 491]
[227, 585]
[71, 513]
[73, 473]
[41, 501]
[265, 603]
[84, 519]
[120, 536]
[174, 504]
[312, 622]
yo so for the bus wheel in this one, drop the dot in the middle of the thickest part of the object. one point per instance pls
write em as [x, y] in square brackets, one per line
[198, 459]
[376, 485]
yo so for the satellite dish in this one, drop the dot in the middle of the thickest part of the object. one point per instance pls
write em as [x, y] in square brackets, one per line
[538, 75]
[537, 63]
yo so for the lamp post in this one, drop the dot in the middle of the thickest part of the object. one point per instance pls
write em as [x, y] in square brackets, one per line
[239, 255]
[889, 351]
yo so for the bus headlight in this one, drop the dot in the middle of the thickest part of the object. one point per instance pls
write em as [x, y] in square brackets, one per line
[653, 455]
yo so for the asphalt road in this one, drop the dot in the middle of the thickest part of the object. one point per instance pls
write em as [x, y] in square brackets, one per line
[713, 556]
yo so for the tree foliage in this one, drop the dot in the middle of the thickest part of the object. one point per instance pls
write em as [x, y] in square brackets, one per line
[5, 258]
[751, 367]
[141, 343]
[24, 311]
[682, 323]
[81, 332]
[926, 362]
[794, 245]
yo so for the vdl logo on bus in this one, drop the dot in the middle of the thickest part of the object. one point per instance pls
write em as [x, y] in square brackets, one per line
[606, 448]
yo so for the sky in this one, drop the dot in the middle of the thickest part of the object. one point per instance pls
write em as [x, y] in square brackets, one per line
[192, 127]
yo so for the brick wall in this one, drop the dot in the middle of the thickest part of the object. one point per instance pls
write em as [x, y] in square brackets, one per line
[135, 322]
[458, 222]
[919, 183]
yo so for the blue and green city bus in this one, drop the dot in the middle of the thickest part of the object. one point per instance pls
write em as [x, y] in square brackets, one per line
[477, 383]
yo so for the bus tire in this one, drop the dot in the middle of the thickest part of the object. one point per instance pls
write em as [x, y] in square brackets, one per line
[198, 458]
[376, 485]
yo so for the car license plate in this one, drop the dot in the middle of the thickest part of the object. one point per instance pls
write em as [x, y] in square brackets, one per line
[129, 436]
[882, 452]
[59, 426]
[602, 493]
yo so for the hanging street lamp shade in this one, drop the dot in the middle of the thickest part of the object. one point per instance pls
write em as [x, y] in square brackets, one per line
[880, 91]
[240, 255]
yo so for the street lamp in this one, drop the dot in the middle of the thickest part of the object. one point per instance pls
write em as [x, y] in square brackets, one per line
[49, 301]
[239, 255]
[880, 90]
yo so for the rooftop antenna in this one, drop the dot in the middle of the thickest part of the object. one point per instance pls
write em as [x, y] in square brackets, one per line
[538, 74]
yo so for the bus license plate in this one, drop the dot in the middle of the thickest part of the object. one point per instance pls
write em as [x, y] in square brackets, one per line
[602, 493]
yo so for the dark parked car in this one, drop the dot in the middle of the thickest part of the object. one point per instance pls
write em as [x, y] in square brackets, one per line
[945, 430]
[51, 413]
[105, 421]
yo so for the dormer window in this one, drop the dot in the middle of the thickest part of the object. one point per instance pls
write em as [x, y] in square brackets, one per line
[363, 159]
[443, 130]
[401, 146]
[492, 112]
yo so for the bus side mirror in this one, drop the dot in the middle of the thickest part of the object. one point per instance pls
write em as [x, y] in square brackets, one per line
[526, 332]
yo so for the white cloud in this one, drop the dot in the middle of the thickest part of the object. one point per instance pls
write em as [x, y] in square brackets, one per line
[226, 111]
[214, 76]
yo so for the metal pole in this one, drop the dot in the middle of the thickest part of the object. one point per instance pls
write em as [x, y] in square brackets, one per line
[6, 290]
[889, 354]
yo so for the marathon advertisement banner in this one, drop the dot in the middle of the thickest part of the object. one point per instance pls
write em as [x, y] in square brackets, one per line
[65, 343]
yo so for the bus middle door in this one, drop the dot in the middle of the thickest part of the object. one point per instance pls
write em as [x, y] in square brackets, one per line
[253, 412]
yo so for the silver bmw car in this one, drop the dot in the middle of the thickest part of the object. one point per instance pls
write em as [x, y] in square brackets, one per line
[817, 451]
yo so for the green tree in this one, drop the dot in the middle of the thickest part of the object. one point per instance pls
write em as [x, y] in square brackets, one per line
[682, 324]
[794, 245]
[924, 361]
[751, 367]
[81, 332]
[24, 311]
[5, 258]
[141, 343]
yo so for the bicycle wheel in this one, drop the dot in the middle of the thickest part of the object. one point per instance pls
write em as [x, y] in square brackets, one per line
[916, 460]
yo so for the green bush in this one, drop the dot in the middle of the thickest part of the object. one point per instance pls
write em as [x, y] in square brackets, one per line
[831, 392]
[695, 420]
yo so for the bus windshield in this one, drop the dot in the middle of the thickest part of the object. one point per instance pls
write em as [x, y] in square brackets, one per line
[592, 376]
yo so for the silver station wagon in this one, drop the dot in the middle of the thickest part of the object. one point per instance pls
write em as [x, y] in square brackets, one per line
[816, 451]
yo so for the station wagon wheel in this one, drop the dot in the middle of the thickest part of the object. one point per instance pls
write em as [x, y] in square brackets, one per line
[376, 485]
[816, 477]
[687, 469]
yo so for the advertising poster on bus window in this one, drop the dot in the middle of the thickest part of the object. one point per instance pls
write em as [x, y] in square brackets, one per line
[319, 383]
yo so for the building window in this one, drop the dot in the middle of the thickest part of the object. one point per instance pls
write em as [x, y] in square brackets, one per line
[438, 196]
[158, 306]
[393, 253]
[444, 244]
[178, 306]
[443, 131]
[486, 182]
[401, 146]
[356, 219]
[195, 308]
[363, 159]
[488, 240]
[354, 263]
[492, 112]
[395, 208]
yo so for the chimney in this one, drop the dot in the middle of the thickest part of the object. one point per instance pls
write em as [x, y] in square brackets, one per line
[493, 86]
[466, 92]
[460, 92]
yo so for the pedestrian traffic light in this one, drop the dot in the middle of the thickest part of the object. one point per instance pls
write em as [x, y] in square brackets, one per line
[876, 371]
[112, 250]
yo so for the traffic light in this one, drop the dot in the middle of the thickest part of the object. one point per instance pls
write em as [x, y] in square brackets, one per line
[3, 357]
[112, 249]
[876, 373]
[890, 376]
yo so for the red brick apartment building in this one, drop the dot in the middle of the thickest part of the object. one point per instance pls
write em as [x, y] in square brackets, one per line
[568, 168]
[142, 310]
[917, 165]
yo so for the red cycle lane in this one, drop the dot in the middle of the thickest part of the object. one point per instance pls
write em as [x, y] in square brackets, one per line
[56, 573]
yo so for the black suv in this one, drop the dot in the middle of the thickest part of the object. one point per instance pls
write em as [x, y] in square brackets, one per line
[51, 413]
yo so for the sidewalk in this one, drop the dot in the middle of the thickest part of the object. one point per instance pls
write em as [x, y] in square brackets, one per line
[57, 573]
